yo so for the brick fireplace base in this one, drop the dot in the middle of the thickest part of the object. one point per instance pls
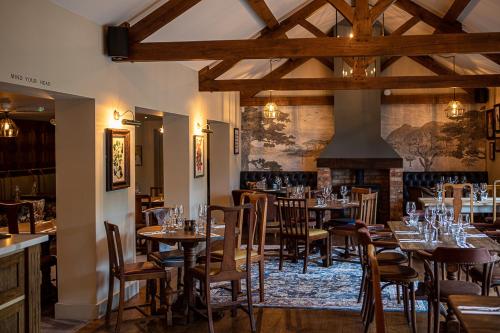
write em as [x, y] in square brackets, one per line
[388, 181]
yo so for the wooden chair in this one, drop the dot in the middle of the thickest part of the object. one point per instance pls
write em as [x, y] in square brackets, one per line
[367, 212]
[227, 268]
[294, 226]
[440, 287]
[133, 272]
[259, 202]
[457, 191]
[12, 210]
[376, 290]
[392, 272]
[155, 191]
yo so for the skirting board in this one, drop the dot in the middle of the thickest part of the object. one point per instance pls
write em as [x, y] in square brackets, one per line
[92, 311]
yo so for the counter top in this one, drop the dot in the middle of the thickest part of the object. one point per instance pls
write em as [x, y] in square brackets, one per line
[19, 242]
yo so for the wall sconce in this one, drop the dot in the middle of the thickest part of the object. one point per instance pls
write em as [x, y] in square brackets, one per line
[205, 129]
[132, 122]
[161, 130]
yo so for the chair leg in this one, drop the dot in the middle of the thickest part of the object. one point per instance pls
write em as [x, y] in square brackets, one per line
[413, 312]
[250, 303]
[306, 257]
[261, 280]
[398, 294]
[436, 316]
[153, 296]
[234, 296]
[429, 314]
[405, 302]
[362, 285]
[166, 292]
[209, 310]
[121, 305]
[281, 253]
[109, 306]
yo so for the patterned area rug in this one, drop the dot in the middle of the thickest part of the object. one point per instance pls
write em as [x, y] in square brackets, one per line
[332, 288]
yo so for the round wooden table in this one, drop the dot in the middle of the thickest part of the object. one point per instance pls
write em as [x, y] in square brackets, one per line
[188, 239]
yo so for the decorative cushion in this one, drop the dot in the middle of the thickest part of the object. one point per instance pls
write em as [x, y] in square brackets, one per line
[241, 254]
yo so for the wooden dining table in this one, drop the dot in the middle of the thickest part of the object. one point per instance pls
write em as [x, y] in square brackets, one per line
[484, 206]
[474, 320]
[41, 227]
[189, 241]
[410, 240]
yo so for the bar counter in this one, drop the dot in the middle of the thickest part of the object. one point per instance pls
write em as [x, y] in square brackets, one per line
[20, 280]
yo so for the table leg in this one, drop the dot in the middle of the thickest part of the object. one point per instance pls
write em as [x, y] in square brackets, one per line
[189, 262]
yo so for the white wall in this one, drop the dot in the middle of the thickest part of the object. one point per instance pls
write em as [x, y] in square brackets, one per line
[43, 41]
[144, 136]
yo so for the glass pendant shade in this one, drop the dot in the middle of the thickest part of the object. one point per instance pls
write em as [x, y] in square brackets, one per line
[8, 129]
[454, 109]
[270, 110]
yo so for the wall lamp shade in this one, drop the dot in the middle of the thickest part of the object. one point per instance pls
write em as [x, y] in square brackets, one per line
[8, 129]
[130, 122]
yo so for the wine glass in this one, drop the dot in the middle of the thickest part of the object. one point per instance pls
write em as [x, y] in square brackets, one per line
[464, 179]
[465, 220]
[484, 191]
[343, 192]
[286, 180]
[411, 208]
[328, 192]
[430, 214]
[475, 191]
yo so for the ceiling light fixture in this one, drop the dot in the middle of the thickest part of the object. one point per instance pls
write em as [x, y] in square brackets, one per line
[131, 122]
[8, 128]
[271, 110]
[454, 109]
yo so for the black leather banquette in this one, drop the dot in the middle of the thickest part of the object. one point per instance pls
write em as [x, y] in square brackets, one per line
[306, 178]
[429, 179]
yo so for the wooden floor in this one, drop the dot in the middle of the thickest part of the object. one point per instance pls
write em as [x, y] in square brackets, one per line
[268, 320]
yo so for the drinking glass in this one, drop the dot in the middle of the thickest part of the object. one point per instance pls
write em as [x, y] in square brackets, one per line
[465, 220]
[430, 214]
[411, 208]
[421, 225]
[343, 192]
[464, 179]
[475, 190]
[286, 181]
[484, 191]
[428, 234]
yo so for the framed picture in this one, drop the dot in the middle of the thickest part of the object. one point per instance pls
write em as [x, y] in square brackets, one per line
[138, 155]
[199, 155]
[117, 159]
[497, 118]
[490, 124]
[491, 150]
[497, 145]
[236, 143]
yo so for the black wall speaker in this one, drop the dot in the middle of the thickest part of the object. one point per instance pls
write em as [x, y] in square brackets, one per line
[481, 95]
[117, 42]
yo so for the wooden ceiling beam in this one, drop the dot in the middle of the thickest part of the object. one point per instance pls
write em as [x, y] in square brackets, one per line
[288, 100]
[344, 9]
[317, 47]
[211, 73]
[393, 82]
[456, 8]
[262, 10]
[159, 18]
[437, 23]
[278, 73]
[428, 17]
[330, 100]
[380, 7]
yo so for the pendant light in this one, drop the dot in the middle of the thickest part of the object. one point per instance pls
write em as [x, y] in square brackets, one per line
[454, 109]
[8, 129]
[271, 110]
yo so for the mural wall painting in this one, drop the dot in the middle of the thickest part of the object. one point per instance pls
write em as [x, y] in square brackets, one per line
[421, 134]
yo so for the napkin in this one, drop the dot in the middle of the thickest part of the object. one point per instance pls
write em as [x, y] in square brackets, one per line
[411, 240]
[404, 232]
[483, 310]
[147, 233]
[477, 236]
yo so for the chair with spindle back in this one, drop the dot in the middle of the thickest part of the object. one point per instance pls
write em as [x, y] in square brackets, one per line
[294, 227]
[440, 288]
[148, 271]
[391, 272]
[366, 212]
[457, 191]
[376, 290]
[227, 268]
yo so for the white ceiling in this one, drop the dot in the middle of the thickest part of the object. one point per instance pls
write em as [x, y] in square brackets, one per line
[234, 19]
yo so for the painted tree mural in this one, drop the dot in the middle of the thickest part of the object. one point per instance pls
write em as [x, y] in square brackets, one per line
[268, 132]
[460, 139]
